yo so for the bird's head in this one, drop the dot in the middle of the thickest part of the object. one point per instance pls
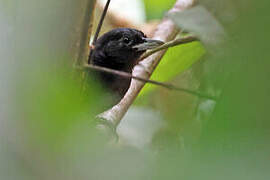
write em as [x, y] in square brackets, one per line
[122, 46]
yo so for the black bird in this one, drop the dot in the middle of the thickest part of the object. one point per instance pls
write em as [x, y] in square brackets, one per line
[120, 49]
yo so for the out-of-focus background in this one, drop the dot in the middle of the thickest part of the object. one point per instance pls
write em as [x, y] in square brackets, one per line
[46, 123]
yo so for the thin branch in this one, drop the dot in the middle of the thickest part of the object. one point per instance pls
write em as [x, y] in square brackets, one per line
[101, 21]
[169, 44]
[117, 20]
[162, 84]
[99, 27]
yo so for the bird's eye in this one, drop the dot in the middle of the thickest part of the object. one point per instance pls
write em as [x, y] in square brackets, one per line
[126, 40]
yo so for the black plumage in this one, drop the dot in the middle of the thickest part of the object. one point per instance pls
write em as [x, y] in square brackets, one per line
[120, 49]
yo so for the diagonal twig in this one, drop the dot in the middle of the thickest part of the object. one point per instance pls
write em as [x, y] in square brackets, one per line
[99, 27]
[162, 84]
[172, 43]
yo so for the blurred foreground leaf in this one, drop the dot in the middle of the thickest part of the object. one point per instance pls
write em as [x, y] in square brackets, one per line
[201, 22]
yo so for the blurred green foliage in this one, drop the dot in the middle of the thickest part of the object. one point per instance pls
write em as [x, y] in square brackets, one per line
[157, 9]
[47, 128]
[50, 103]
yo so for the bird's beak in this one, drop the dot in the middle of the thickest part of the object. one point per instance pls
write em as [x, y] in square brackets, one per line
[148, 44]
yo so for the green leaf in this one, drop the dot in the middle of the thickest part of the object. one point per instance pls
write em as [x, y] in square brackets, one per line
[175, 61]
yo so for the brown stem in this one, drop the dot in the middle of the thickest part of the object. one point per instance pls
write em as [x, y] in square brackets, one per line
[158, 83]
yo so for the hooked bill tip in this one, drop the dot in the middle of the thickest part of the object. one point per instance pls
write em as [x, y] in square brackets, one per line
[148, 44]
